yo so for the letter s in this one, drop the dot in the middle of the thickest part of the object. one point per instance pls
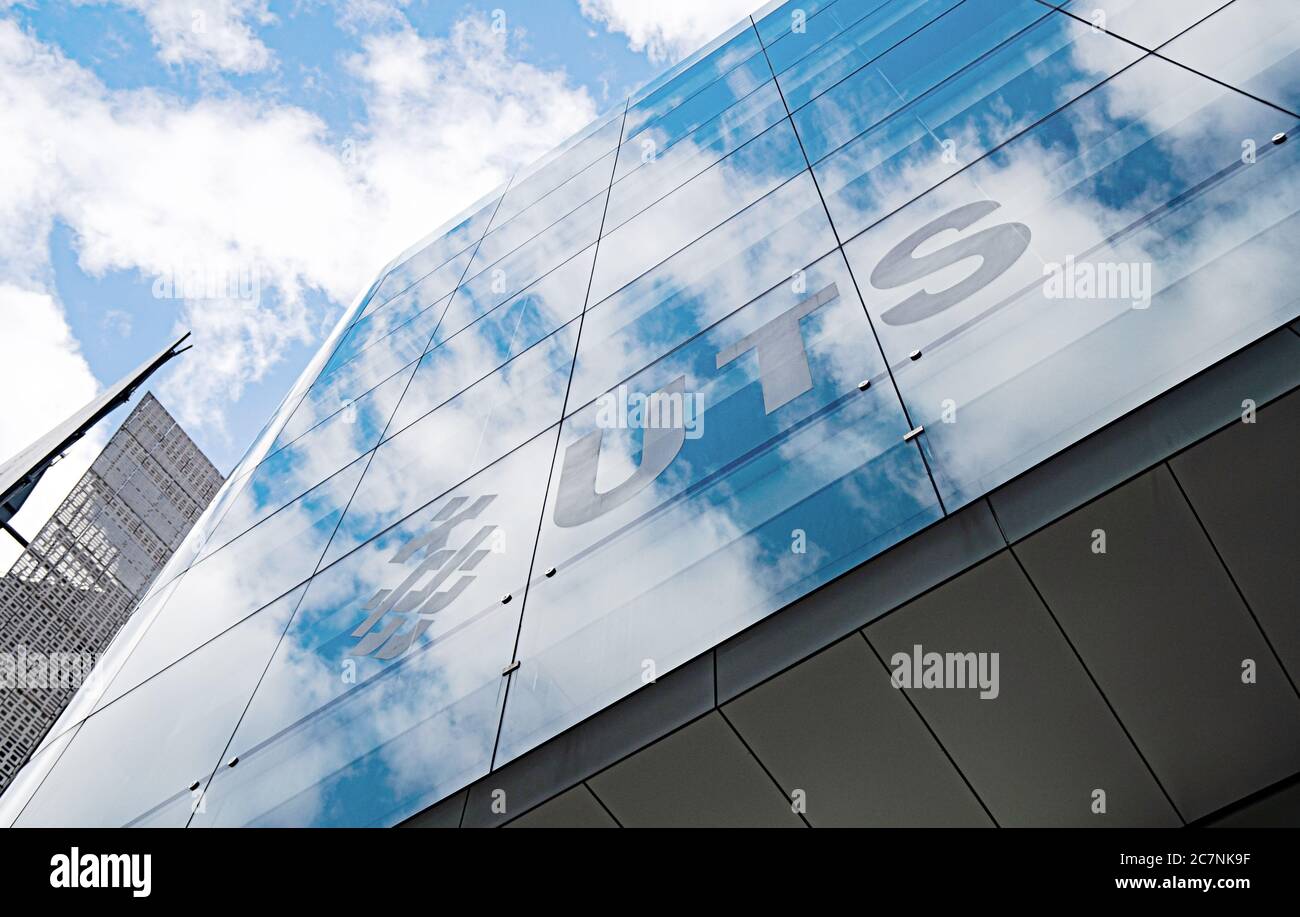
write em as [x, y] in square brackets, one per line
[998, 247]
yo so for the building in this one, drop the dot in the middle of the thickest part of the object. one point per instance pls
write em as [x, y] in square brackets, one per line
[78, 581]
[886, 416]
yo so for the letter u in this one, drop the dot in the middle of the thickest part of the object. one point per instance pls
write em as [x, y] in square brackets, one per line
[577, 501]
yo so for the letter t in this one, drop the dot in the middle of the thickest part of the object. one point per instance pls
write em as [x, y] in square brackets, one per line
[782, 358]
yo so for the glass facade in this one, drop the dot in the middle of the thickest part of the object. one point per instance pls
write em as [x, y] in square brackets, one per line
[843, 271]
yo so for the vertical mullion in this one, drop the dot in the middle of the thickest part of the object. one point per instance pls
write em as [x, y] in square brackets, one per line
[306, 585]
[573, 366]
[839, 245]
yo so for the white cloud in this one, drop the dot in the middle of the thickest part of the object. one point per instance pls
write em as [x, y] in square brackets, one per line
[47, 380]
[451, 117]
[210, 33]
[359, 13]
[255, 190]
[667, 30]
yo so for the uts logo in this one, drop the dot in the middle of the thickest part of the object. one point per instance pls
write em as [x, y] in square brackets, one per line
[783, 368]
[399, 616]
[998, 247]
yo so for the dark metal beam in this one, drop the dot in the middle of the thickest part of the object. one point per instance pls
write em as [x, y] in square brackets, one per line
[13, 534]
[20, 474]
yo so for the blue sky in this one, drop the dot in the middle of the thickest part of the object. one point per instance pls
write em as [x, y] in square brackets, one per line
[309, 44]
[299, 144]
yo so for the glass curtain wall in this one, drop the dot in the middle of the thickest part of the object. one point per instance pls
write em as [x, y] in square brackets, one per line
[843, 271]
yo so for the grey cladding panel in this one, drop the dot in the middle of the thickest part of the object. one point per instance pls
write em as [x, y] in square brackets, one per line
[700, 776]
[1160, 626]
[834, 728]
[1041, 745]
[576, 808]
[1244, 485]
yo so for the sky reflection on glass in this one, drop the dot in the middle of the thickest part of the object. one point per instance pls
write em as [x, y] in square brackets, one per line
[708, 545]
[1042, 228]
[358, 720]
[112, 774]
[1142, 185]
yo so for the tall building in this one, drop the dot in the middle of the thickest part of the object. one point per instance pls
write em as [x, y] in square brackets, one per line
[79, 579]
[886, 416]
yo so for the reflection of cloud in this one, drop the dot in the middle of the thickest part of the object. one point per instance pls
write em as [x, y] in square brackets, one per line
[1038, 373]
[1148, 24]
[309, 460]
[696, 207]
[931, 139]
[669, 139]
[727, 268]
[418, 724]
[1253, 46]
[239, 579]
[472, 430]
[706, 549]
[509, 332]
[150, 744]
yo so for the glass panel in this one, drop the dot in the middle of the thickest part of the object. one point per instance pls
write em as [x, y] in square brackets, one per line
[270, 432]
[1253, 45]
[26, 781]
[553, 171]
[674, 162]
[754, 251]
[721, 65]
[490, 286]
[250, 572]
[385, 694]
[434, 254]
[771, 26]
[587, 184]
[467, 433]
[343, 386]
[666, 91]
[858, 46]
[504, 333]
[412, 306]
[316, 455]
[108, 665]
[657, 136]
[672, 529]
[606, 123]
[817, 30]
[1112, 244]
[132, 764]
[372, 366]
[932, 55]
[933, 138]
[693, 209]
[1150, 23]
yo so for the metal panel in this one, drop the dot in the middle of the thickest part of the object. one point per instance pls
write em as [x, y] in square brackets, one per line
[1243, 484]
[1039, 743]
[699, 776]
[577, 808]
[834, 729]
[1160, 626]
